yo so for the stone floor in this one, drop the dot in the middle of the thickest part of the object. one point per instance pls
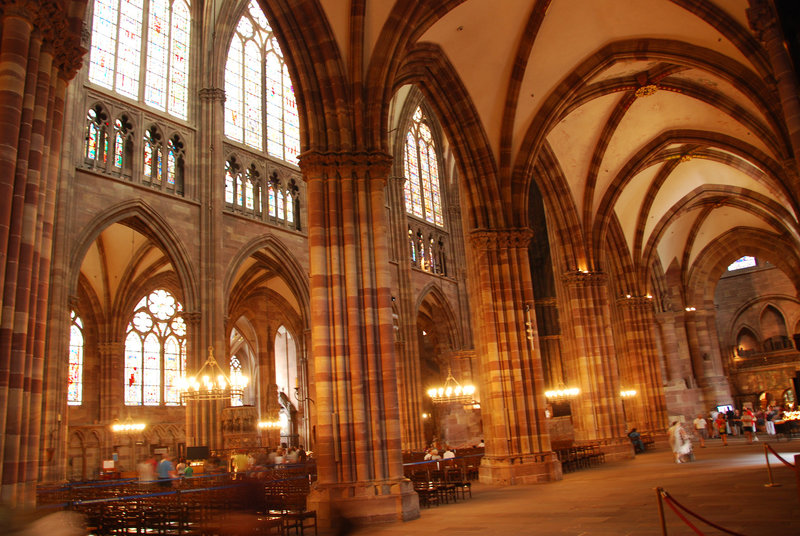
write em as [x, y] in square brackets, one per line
[725, 485]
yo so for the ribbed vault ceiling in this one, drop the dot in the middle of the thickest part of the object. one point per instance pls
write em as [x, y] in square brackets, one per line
[699, 157]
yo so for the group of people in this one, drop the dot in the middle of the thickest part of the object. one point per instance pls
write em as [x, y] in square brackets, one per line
[243, 462]
[165, 471]
[718, 424]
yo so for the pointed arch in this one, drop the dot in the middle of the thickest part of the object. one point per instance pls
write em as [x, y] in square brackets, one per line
[433, 295]
[700, 280]
[284, 263]
[139, 215]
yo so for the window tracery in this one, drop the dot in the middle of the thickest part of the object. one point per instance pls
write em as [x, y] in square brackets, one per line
[428, 250]
[155, 34]
[273, 200]
[258, 90]
[422, 192]
[96, 146]
[155, 351]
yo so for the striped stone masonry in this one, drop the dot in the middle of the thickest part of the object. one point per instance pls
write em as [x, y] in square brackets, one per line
[512, 389]
[353, 365]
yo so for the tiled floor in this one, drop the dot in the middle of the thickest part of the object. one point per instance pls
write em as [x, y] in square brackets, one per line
[724, 485]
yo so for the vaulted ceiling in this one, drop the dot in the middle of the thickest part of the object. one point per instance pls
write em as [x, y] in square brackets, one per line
[659, 117]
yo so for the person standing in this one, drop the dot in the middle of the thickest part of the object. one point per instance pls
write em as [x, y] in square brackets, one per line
[166, 471]
[700, 428]
[748, 420]
[722, 428]
[679, 441]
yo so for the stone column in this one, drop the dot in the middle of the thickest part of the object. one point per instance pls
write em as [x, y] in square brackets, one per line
[592, 362]
[112, 361]
[203, 421]
[639, 366]
[359, 462]
[512, 389]
[706, 359]
[32, 88]
[406, 345]
[763, 20]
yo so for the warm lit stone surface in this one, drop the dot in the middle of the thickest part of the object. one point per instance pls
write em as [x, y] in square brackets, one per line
[724, 484]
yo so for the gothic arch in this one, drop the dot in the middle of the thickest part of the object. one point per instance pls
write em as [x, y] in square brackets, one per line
[701, 279]
[428, 69]
[432, 295]
[141, 217]
[772, 322]
[283, 263]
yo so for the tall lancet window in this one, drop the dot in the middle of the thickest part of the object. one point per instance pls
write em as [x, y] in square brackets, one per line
[260, 108]
[127, 34]
[422, 194]
[75, 381]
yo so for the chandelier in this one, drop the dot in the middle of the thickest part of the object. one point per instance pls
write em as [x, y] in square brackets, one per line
[211, 382]
[127, 426]
[561, 394]
[452, 392]
[628, 393]
[269, 425]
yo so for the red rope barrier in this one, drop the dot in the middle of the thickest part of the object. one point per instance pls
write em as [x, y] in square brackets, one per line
[683, 518]
[669, 500]
[781, 459]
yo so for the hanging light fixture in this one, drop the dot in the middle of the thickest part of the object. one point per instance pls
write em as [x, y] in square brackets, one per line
[561, 394]
[452, 392]
[127, 426]
[211, 382]
[627, 393]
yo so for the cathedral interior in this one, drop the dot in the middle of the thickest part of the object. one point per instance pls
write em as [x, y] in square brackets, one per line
[350, 203]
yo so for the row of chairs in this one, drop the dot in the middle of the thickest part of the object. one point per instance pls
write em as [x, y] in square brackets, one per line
[241, 507]
[441, 486]
[580, 456]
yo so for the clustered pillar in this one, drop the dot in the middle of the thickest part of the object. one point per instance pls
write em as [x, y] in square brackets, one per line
[591, 361]
[639, 366]
[359, 462]
[512, 390]
[33, 81]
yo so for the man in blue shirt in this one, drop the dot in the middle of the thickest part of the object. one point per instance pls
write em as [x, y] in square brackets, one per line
[165, 470]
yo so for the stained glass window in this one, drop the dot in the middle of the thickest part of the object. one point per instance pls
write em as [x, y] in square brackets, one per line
[236, 368]
[273, 209]
[258, 90]
[152, 155]
[155, 351]
[172, 163]
[119, 143]
[280, 204]
[422, 193]
[744, 262]
[75, 381]
[156, 33]
[239, 190]
[230, 182]
[96, 149]
[248, 192]
[289, 208]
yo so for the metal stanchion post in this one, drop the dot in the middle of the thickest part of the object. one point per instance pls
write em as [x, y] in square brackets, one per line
[769, 469]
[661, 512]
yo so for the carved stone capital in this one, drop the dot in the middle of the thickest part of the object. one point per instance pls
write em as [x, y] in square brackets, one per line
[499, 239]
[192, 318]
[212, 94]
[762, 18]
[585, 278]
[111, 349]
[636, 302]
[358, 165]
